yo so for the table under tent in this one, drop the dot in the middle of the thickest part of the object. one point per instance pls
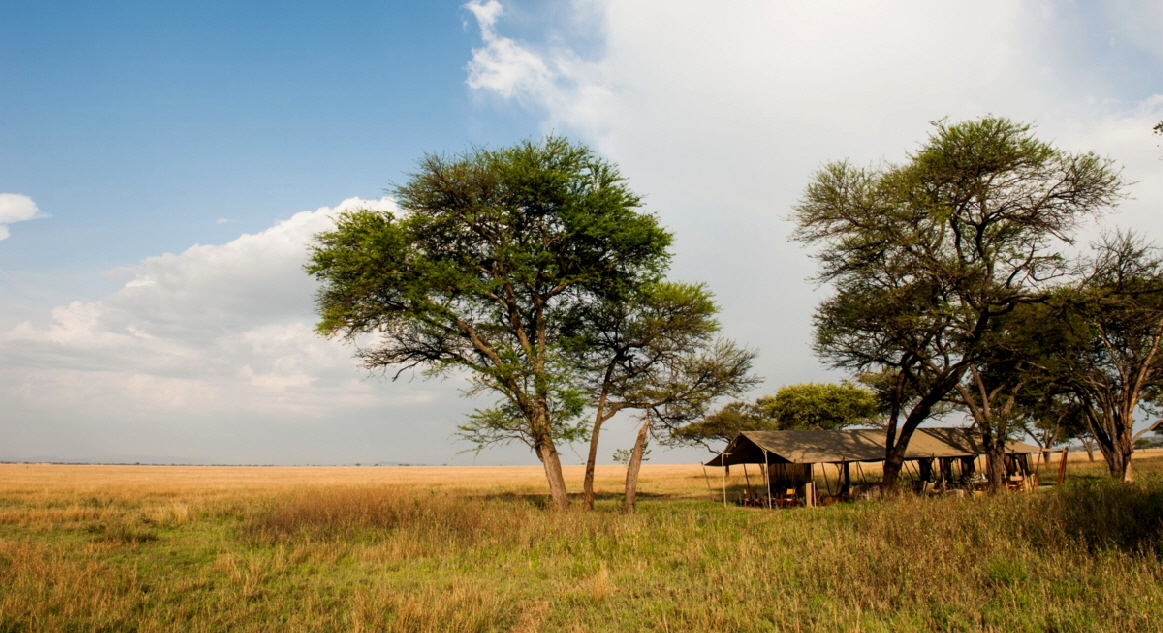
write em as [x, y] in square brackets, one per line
[939, 458]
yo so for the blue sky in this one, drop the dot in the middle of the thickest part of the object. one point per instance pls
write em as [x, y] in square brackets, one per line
[138, 125]
[178, 156]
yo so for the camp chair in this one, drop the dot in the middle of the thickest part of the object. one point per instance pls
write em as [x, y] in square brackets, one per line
[751, 498]
[787, 499]
[1016, 482]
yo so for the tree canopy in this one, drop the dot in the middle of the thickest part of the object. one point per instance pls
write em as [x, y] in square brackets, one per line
[793, 407]
[491, 256]
[925, 257]
[1111, 358]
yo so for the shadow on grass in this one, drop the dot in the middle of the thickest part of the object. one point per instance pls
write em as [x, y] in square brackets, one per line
[1104, 514]
[542, 501]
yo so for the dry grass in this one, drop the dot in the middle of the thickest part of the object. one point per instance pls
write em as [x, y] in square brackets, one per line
[464, 549]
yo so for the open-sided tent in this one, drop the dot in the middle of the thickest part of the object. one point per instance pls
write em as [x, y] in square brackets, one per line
[787, 457]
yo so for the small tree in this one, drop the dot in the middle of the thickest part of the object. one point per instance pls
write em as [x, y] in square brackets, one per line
[493, 253]
[654, 350]
[793, 407]
[819, 406]
[1116, 312]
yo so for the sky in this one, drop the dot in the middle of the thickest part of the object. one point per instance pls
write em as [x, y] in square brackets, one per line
[163, 166]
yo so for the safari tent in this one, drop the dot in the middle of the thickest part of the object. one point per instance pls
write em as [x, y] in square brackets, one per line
[788, 459]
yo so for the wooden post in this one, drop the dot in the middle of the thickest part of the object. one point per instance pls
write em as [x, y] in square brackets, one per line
[1062, 466]
[846, 488]
[946, 471]
[724, 481]
[810, 495]
[925, 469]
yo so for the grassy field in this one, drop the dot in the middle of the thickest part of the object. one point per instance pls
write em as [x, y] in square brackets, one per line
[124, 548]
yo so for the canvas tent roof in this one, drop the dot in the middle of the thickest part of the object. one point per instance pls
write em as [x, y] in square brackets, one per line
[850, 445]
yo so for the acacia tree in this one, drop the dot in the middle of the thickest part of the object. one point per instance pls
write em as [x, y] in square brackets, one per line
[652, 351]
[926, 256]
[493, 251]
[1116, 312]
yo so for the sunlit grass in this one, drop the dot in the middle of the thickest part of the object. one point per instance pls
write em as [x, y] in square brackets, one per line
[370, 550]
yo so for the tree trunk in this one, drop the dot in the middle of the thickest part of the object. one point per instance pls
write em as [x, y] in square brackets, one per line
[1119, 461]
[995, 456]
[1088, 447]
[995, 467]
[1111, 427]
[591, 464]
[547, 452]
[896, 445]
[633, 467]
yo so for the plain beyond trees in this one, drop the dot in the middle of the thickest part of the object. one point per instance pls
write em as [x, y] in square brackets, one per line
[493, 253]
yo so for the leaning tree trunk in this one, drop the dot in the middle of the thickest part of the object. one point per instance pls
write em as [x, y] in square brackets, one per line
[1088, 446]
[591, 464]
[633, 467]
[896, 448]
[896, 445]
[547, 452]
[551, 460]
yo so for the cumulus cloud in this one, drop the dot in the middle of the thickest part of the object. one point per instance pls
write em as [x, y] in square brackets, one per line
[16, 208]
[216, 332]
[553, 79]
[720, 112]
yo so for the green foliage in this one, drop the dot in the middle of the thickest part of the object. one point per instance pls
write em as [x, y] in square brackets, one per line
[794, 407]
[1110, 350]
[622, 455]
[655, 350]
[492, 254]
[926, 257]
[819, 406]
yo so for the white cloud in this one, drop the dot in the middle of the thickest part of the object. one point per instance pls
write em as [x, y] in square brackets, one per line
[15, 207]
[221, 331]
[720, 112]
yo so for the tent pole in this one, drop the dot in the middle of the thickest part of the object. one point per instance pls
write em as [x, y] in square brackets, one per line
[767, 477]
[724, 482]
[824, 473]
[710, 493]
[745, 475]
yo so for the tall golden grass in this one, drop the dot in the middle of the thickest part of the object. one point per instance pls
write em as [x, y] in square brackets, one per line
[119, 549]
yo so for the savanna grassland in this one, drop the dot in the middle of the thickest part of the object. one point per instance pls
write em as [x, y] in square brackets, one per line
[123, 548]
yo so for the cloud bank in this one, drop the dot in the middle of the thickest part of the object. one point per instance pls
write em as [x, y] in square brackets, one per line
[215, 344]
[16, 208]
[720, 112]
